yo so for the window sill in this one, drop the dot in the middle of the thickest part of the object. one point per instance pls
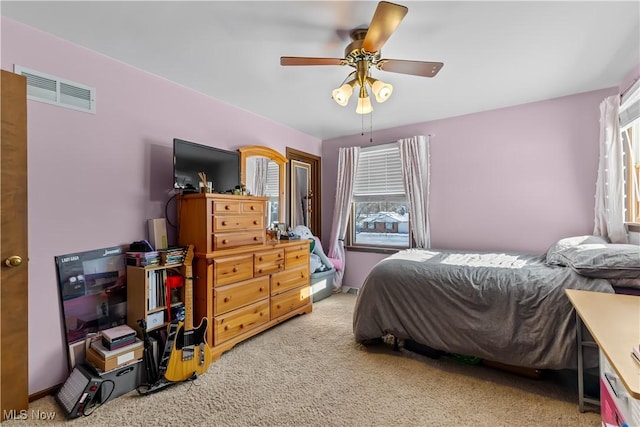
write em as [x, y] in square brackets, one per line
[372, 249]
[633, 226]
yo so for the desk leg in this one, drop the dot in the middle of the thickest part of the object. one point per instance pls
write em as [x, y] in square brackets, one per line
[580, 364]
[582, 399]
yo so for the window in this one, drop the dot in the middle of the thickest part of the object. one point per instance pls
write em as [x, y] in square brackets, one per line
[380, 215]
[272, 191]
[630, 130]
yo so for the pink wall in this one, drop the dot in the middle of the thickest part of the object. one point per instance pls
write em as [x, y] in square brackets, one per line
[514, 179]
[94, 179]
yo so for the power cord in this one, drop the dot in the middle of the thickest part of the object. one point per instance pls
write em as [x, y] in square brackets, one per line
[113, 386]
[166, 210]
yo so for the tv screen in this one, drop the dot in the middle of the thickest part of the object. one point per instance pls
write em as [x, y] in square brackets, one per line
[222, 167]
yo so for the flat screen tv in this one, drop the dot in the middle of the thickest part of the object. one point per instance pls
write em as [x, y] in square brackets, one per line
[222, 167]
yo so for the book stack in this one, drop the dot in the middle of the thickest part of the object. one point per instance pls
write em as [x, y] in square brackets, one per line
[118, 337]
[143, 259]
[172, 256]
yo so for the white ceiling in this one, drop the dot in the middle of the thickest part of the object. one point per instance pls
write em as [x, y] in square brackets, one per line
[495, 54]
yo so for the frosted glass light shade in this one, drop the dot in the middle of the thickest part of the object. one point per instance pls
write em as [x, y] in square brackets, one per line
[364, 105]
[342, 94]
[381, 90]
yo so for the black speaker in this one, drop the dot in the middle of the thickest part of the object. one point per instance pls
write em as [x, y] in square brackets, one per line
[78, 393]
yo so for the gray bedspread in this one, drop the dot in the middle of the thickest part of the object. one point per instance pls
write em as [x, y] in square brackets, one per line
[505, 307]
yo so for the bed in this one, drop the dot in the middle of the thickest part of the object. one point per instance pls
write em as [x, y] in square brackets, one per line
[509, 308]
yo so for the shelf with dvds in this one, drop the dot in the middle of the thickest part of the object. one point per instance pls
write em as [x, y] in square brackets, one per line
[149, 290]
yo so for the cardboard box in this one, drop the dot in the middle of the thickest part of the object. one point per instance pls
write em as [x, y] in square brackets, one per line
[158, 233]
[107, 360]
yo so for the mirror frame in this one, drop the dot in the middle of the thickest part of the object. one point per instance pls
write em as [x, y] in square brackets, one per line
[293, 197]
[281, 160]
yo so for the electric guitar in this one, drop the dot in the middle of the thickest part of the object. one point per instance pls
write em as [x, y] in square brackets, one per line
[190, 354]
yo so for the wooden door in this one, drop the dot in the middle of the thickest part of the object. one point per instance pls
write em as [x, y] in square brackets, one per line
[14, 355]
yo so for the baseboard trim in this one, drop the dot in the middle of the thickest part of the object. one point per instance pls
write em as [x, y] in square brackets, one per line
[43, 393]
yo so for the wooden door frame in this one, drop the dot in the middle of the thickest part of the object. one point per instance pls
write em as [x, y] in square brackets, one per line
[316, 175]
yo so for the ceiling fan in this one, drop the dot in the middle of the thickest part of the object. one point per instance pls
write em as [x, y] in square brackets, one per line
[363, 53]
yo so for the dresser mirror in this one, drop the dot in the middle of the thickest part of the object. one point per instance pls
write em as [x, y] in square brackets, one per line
[301, 194]
[262, 170]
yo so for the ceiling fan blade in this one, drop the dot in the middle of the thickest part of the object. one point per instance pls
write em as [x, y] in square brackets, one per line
[384, 22]
[416, 68]
[299, 60]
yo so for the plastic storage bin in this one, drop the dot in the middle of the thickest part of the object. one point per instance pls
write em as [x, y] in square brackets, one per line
[321, 284]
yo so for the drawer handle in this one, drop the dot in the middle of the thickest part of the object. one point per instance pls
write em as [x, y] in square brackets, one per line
[279, 255]
[278, 306]
[225, 241]
[255, 222]
[227, 207]
[260, 271]
[260, 259]
[277, 283]
[256, 238]
[253, 208]
[226, 328]
[226, 299]
[261, 313]
[235, 269]
[241, 326]
[302, 275]
[260, 289]
[224, 222]
[612, 380]
[297, 256]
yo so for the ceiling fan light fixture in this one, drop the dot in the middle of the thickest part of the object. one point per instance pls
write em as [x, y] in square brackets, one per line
[342, 94]
[364, 102]
[381, 90]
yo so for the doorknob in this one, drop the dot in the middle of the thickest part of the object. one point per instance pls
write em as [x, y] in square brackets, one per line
[13, 261]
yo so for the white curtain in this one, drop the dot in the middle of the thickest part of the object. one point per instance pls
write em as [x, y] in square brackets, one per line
[609, 209]
[347, 165]
[260, 176]
[414, 153]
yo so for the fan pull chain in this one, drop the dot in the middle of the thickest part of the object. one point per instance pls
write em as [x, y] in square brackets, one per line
[371, 129]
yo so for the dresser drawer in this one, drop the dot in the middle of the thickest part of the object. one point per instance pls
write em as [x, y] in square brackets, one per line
[233, 240]
[287, 301]
[230, 297]
[237, 223]
[232, 269]
[298, 255]
[288, 279]
[253, 207]
[268, 262]
[239, 321]
[226, 206]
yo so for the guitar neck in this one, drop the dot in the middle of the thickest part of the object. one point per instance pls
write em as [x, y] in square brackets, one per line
[188, 297]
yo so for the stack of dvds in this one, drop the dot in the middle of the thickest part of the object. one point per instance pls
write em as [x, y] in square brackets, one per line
[118, 337]
[172, 256]
[143, 259]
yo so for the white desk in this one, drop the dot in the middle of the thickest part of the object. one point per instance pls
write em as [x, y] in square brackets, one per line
[614, 322]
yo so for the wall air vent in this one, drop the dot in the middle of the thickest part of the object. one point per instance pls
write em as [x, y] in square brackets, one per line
[54, 90]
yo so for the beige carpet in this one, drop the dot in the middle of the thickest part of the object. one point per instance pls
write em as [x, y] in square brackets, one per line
[309, 371]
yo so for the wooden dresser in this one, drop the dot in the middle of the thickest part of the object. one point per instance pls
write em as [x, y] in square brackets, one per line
[243, 282]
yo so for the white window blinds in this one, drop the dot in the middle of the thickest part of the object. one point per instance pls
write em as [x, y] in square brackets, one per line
[273, 178]
[379, 173]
